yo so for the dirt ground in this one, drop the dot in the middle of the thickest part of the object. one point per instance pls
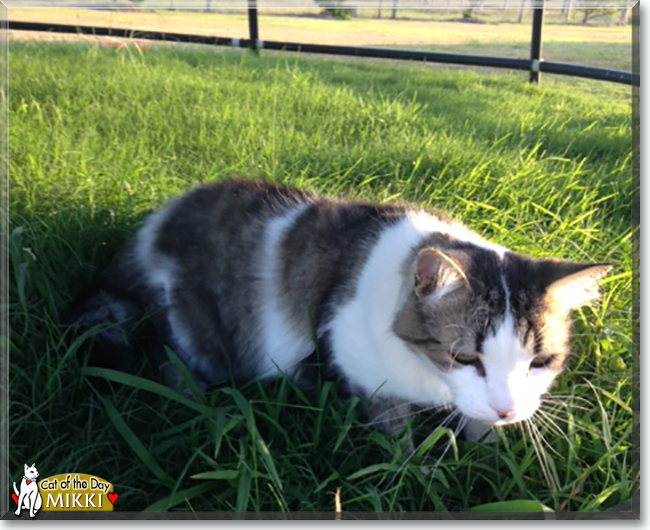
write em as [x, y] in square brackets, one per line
[45, 36]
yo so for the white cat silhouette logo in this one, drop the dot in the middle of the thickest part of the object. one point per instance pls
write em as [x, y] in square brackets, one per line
[29, 496]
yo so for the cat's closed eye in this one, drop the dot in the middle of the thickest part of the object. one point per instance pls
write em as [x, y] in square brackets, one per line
[466, 360]
[542, 361]
[471, 360]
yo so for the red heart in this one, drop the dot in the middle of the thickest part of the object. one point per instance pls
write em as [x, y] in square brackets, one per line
[113, 497]
[28, 481]
[14, 497]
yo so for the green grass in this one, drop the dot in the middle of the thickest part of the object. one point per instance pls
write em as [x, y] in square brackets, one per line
[100, 137]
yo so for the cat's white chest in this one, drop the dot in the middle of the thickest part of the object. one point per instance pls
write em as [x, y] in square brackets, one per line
[364, 346]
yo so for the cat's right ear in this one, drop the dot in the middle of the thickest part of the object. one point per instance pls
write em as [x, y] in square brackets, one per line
[26, 468]
[438, 273]
[572, 285]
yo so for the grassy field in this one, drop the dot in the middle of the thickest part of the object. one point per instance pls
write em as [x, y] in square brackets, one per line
[606, 47]
[100, 137]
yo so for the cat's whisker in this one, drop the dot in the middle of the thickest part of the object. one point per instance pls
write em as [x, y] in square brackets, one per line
[574, 424]
[554, 410]
[565, 405]
[449, 418]
[400, 405]
[455, 326]
[550, 423]
[554, 407]
[568, 396]
[554, 485]
[544, 415]
[376, 420]
[461, 425]
[522, 427]
[541, 456]
[452, 346]
[542, 439]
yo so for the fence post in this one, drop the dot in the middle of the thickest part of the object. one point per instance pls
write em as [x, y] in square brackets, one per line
[536, 41]
[252, 24]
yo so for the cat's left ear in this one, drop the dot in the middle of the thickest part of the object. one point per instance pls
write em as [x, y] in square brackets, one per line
[572, 285]
[438, 273]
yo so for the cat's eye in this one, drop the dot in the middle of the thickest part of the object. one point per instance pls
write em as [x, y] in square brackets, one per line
[466, 361]
[542, 361]
[474, 361]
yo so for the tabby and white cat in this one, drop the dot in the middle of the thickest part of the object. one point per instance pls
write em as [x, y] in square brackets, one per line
[246, 279]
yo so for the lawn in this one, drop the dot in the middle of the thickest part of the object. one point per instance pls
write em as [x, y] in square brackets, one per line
[605, 47]
[100, 137]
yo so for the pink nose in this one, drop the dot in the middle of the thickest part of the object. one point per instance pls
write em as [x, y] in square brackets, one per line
[503, 414]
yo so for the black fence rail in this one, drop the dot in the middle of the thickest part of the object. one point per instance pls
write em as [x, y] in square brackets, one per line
[535, 65]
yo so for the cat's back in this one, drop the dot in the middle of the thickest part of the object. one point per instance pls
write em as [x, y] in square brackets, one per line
[215, 213]
[244, 275]
[253, 267]
[201, 256]
[214, 234]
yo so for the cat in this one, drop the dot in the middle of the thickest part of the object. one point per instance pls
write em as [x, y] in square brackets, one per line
[405, 308]
[29, 496]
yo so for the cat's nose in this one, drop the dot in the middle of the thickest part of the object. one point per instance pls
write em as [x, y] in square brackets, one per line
[503, 414]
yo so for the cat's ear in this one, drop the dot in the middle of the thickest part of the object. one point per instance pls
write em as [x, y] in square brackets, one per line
[439, 273]
[572, 285]
[26, 468]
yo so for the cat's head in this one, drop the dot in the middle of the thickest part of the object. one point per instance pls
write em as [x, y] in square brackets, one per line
[496, 326]
[31, 472]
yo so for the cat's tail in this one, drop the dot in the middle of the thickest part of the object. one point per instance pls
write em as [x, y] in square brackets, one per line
[103, 325]
[16, 490]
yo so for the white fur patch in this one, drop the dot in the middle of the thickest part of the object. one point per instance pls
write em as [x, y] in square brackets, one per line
[368, 352]
[427, 224]
[283, 345]
[363, 343]
[158, 269]
[160, 272]
[509, 384]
